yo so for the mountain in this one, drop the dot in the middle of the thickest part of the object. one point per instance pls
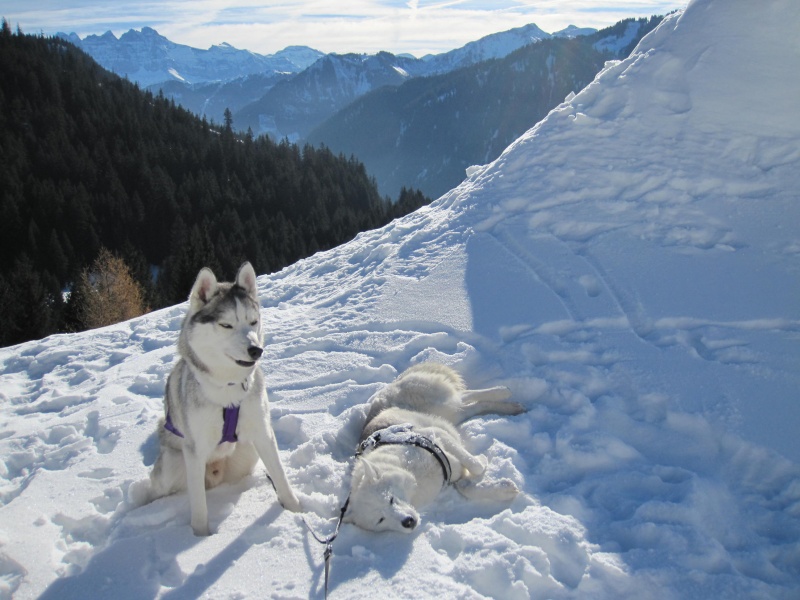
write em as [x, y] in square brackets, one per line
[427, 131]
[293, 108]
[496, 45]
[207, 82]
[628, 267]
[210, 100]
[148, 58]
[572, 31]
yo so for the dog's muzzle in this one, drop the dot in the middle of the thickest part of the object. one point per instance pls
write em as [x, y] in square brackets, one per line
[253, 352]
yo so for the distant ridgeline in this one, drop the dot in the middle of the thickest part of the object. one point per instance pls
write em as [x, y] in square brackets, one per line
[428, 130]
[90, 161]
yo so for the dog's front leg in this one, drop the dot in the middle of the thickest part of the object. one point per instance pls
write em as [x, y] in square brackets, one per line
[475, 465]
[267, 448]
[196, 488]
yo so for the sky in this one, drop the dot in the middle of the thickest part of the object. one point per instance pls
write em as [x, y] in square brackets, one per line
[416, 27]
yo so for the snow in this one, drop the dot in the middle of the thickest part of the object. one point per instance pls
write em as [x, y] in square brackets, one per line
[628, 267]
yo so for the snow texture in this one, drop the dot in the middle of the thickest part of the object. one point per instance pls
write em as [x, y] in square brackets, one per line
[630, 268]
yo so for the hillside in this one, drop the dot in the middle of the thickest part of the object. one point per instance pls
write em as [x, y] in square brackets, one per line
[628, 267]
[91, 161]
[427, 131]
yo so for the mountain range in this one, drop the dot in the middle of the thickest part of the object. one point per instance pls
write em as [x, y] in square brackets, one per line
[426, 132]
[148, 58]
[416, 107]
[207, 82]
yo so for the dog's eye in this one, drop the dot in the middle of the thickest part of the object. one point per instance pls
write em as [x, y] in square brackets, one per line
[254, 323]
[391, 500]
[226, 325]
[380, 520]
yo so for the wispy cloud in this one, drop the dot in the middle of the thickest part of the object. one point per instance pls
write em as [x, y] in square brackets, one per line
[414, 26]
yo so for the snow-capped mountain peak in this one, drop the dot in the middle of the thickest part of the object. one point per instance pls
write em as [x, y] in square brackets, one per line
[149, 58]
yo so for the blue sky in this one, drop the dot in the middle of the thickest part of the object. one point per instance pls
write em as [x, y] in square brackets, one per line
[416, 26]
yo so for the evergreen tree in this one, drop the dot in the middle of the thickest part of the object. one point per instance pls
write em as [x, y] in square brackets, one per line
[90, 161]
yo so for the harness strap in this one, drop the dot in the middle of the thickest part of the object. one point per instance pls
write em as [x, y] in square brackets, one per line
[169, 426]
[230, 420]
[403, 435]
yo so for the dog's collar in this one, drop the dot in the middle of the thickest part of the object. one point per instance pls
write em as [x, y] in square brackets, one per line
[404, 435]
[230, 419]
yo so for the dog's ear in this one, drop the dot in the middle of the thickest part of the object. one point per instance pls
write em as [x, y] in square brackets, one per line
[205, 286]
[246, 278]
[371, 472]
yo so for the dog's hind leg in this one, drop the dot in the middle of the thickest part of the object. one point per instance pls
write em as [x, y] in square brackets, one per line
[240, 464]
[168, 475]
[215, 473]
[491, 401]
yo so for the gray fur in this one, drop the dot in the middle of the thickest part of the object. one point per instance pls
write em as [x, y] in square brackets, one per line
[220, 343]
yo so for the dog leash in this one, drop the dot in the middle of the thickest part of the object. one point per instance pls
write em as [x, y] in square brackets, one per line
[328, 541]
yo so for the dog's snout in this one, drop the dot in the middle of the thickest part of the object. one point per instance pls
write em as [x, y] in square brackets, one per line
[409, 522]
[255, 352]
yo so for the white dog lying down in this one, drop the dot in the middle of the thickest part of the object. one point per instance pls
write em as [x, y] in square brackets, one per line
[410, 447]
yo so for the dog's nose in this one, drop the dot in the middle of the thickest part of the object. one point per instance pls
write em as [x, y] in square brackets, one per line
[409, 522]
[255, 352]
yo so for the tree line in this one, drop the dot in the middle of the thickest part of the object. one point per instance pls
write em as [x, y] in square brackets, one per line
[90, 163]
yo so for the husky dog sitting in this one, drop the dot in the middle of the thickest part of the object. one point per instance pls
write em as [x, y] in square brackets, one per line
[410, 447]
[216, 414]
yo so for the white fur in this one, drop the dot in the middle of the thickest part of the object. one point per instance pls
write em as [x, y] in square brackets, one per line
[220, 342]
[392, 482]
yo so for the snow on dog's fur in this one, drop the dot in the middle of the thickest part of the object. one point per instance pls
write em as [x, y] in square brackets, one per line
[390, 483]
[220, 343]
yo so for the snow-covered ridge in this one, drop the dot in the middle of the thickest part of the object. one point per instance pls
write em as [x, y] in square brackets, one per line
[628, 268]
[149, 58]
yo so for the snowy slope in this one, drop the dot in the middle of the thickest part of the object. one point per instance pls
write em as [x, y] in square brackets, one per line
[629, 267]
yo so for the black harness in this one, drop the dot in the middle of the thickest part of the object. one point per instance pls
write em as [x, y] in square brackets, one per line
[404, 435]
[396, 434]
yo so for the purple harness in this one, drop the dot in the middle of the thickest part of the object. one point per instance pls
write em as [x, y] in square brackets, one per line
[230, 419]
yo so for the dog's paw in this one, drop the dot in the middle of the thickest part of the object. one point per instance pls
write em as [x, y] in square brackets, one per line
[292, 504]
[505, 489]
[140, 493]
[477, 466]
[201, 529]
